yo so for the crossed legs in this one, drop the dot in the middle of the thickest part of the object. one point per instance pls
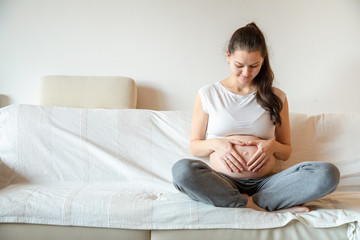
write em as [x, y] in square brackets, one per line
[302, 183]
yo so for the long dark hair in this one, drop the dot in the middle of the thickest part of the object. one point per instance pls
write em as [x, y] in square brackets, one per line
[250, 38]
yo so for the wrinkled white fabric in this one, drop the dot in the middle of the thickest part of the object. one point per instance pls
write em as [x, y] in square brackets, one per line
[112, 168]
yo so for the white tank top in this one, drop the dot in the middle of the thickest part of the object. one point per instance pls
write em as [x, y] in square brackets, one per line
[233, 114]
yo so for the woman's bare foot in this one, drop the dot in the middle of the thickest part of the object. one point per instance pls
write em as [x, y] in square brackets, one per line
[294, 209]
[252, 205]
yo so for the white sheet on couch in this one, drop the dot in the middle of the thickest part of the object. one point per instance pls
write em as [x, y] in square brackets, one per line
[112, 168]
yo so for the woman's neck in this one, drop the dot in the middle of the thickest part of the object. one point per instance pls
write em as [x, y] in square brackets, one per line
[235, 86]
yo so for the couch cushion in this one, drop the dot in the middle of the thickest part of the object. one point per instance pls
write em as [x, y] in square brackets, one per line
[88, 91]
[11, 231]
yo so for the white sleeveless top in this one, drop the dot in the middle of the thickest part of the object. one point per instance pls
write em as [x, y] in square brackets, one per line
[233, 114]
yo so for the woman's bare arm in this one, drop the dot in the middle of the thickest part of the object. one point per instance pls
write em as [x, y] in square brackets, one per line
[282, 145]
[201, 147]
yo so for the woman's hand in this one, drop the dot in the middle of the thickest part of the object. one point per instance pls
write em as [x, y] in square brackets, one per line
[264, 153]
[225, 152]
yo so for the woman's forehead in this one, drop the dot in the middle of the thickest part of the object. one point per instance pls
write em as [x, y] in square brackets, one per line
[243, 56]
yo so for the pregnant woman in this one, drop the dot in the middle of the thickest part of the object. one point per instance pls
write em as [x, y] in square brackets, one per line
[242, 123]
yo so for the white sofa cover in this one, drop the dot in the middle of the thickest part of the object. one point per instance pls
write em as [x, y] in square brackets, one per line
[112, 168]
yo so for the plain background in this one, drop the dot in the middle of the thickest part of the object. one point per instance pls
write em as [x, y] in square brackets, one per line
[173, 47]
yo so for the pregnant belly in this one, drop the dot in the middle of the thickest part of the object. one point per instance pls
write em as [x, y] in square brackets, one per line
[246, 152]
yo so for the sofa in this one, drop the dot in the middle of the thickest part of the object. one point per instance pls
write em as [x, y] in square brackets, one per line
[91, 172]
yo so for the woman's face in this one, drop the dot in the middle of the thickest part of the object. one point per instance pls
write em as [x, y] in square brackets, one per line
[245, 65]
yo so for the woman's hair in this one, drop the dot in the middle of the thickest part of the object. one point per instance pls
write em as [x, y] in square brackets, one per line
[250, 38]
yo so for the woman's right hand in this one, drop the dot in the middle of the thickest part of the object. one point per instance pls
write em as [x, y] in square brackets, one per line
[225, 152]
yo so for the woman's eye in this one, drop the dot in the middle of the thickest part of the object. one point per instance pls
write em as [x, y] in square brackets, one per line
[238, 66]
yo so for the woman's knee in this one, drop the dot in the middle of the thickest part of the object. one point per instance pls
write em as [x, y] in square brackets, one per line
[332, 172]
[329, 176]
[186, 169]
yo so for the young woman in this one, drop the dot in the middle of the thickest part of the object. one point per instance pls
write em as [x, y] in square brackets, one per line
[242, 123]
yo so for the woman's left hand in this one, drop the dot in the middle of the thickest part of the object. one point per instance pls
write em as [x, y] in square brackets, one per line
[264, 153]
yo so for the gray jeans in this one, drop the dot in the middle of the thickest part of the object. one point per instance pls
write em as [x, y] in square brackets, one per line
[302, 183]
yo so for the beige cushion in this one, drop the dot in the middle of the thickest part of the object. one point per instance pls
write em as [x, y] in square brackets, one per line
[88, 92]
[295, 230]
[4, 101]
[11, 231]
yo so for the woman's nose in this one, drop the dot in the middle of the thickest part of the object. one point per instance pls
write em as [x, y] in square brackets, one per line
[245, 71]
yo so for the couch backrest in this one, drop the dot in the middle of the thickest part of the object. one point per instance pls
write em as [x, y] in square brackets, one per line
[44, 144]
[331, 137]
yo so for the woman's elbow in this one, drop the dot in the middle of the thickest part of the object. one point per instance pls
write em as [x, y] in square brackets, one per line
[288, 154]
[191, 148]
[196, 149]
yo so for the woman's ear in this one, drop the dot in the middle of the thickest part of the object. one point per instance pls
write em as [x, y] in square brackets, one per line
[228, 56]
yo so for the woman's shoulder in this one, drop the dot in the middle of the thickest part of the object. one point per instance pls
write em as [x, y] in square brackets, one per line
[280, 93]
[209, 88]
[206, 94]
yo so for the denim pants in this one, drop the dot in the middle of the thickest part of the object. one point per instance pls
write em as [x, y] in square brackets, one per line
[299, 184]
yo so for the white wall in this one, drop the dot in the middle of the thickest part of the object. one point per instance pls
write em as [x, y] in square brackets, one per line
[173, 47]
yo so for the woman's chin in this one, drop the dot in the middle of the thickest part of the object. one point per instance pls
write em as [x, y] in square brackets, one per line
[244, 80]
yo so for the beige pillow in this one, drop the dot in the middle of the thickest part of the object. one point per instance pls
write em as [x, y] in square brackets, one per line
[88, 92]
